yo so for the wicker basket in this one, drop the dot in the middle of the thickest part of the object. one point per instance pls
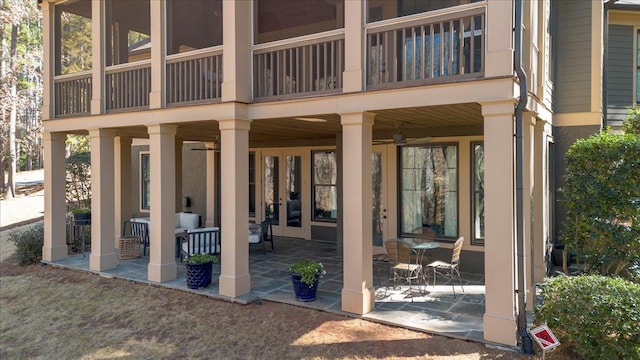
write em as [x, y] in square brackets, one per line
[129, 247]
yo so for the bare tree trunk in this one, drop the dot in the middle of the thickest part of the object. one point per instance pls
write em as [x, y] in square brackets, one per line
[13, 113]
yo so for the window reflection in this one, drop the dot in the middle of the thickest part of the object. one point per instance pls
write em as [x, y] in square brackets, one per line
[325, 194]
[429, 189]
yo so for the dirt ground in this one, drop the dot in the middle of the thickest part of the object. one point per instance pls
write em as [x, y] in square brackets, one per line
[52, 313]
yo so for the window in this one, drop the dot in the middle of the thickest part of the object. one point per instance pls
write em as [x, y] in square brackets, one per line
[145, 182]
[429, 189]
[252, 184]
[325, 193]
[477, 183]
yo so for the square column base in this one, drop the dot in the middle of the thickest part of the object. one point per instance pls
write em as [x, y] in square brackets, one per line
[500, 330]
[358, 302]
[54, 253]
[235, 286]
[103, 262]
[162, 272]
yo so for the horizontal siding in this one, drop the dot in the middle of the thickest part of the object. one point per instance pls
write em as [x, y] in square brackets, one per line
[573, 48]
[620, 66]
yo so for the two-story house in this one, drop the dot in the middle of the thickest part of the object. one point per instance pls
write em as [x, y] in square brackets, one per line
[351, 121]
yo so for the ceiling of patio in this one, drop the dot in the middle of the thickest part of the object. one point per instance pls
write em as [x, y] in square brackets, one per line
[321, 129]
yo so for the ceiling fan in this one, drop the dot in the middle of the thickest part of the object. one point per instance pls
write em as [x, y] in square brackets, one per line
[400, 138]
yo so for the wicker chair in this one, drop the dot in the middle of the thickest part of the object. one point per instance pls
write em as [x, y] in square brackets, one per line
[448, 270]
[399, 252]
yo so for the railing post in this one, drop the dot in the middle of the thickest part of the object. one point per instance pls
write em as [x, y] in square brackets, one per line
[353, 79]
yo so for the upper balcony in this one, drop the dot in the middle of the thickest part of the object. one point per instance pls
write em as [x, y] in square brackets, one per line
[296, 52]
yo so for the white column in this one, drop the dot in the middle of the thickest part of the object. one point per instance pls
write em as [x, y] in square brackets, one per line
[211, 188]
[234, 278]
[541, 200]
[103, 255]
[55, 247]
[179, 199]
[499, 317]
[157, 14]
[528, 184]
[353, 45]
[122, 178]
[162, 153]
[358, 292]
[97, 56]
[237, 41]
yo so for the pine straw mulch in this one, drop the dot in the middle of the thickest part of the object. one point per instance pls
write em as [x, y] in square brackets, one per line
[52, 313]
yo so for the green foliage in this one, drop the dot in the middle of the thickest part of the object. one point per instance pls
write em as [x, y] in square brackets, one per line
[309, 270]
[196, 259]
[81, 211]
[78, 184]
[631, 124]
[28, 244]
[603, 203]
[78, 143]
[599, 317]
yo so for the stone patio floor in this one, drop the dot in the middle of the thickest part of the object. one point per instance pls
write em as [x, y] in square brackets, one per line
[434, 310]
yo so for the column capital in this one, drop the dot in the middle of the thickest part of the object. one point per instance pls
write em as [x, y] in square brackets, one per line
[234, 124]
[498, 108]
[357, 118]
[153, 129]
[102, 133]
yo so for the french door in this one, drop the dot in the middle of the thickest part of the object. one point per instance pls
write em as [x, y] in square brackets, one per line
[284, 191]
[379, 193]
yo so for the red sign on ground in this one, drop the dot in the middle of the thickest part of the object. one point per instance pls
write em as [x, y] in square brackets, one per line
[544, 337]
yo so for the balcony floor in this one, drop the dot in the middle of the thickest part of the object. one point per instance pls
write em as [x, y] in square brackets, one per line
[434, 310]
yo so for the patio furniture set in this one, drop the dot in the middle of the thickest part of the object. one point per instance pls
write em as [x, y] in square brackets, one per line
[190, 237]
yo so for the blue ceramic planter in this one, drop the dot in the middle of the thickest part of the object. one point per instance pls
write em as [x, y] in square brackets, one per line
[199, 275]
[303, 291]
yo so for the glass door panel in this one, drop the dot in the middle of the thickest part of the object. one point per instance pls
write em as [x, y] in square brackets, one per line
[283, 192]
[379, 191]
[293, 191]
[272, 189]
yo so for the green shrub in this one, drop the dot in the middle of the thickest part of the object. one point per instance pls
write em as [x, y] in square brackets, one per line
[28, 244]
[597, 316]
[631, 124]
[602, 196]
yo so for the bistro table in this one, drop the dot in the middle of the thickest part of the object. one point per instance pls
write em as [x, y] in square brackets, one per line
[420, 250]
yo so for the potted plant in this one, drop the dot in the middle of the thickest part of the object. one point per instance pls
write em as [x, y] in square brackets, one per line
[82, 216]
[304, 277]
[199, 268]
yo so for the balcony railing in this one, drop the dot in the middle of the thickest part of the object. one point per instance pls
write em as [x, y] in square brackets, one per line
[194, 78]
[305, 67]
[127, 86]
[72, 94]
[428, 49]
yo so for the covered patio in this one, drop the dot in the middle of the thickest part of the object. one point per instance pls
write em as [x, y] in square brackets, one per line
[434, 310]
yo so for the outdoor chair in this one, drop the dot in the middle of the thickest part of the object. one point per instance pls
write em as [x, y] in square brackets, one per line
[139, 229]
[200, 241]
[399, 252]
[259, 235]
[448, 270]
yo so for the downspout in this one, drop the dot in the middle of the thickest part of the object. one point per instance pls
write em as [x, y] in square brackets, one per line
[527, 345]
